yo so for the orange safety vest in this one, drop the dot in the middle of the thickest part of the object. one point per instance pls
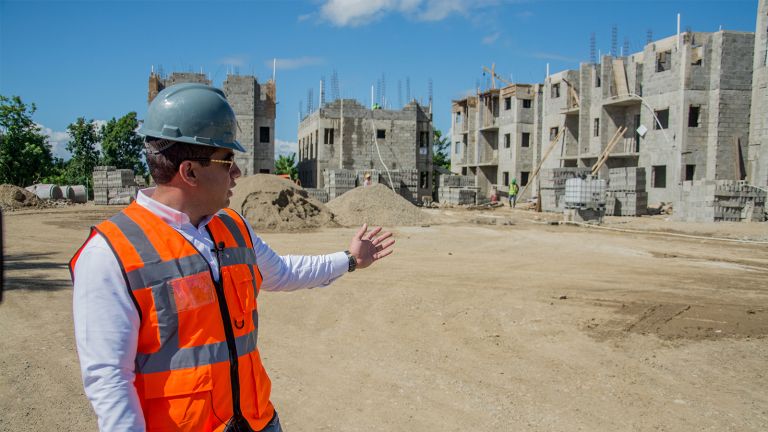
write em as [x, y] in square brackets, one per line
[196, 350]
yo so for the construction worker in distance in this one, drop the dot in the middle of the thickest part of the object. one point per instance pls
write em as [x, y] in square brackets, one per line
[513, 189]
[367, 181]
[165, 292]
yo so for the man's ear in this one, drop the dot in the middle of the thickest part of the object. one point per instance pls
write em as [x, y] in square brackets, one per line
[187, 173]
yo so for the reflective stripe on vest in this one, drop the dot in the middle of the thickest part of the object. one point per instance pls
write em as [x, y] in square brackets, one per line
[181, 339]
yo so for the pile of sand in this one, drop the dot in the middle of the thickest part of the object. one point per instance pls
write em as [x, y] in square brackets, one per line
[376, 205]
[271, 203]
[13, 197]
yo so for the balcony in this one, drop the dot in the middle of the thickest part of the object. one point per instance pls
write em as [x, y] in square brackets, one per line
[490, 124]
[488, 157]
[622, 100]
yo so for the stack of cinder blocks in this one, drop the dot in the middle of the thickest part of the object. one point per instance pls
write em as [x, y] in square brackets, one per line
[457, 190]
[552, 186]
[721, 200]
[113, 186]
[626, 192]
[318, 194]
[337, 182]
[409, 184]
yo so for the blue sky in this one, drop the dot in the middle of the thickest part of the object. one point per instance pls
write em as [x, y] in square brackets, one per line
[93, 58]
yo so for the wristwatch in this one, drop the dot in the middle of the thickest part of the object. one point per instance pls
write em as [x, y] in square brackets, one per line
[352, 261]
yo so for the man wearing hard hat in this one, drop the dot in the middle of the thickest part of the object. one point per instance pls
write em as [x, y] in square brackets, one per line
[165, 292]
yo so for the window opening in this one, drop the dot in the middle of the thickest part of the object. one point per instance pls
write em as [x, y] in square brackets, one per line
[264, 134]
[507, 140]
[526, 140]
[524, 178]
[663, 118]
[693, 116]
[663, 61]
[555, 91]
[690, 170]
[659, 176]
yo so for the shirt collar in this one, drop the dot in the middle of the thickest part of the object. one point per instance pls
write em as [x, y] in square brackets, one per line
[171, 216]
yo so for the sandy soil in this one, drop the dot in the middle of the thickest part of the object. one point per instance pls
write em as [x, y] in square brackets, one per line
[488, 321]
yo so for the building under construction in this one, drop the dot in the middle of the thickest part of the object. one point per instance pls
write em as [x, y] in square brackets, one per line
[679, 109]
[254, 106]
[345, 137]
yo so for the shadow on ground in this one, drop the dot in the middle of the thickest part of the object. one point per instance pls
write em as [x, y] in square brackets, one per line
[34, 272]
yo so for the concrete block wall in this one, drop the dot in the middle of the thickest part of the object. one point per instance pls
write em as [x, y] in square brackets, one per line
[757, 165]
[353, 144]
[255, 109]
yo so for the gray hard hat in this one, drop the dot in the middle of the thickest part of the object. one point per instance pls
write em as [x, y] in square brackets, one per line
[193, 114]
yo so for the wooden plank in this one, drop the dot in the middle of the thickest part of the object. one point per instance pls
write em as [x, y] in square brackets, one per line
[611, 144]
[620, 78]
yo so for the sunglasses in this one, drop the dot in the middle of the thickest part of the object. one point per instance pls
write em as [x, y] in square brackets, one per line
[228, 163]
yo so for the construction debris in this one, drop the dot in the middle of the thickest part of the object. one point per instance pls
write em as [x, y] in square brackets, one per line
[13, 198]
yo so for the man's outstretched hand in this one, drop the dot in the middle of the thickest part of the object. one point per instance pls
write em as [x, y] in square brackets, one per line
[368, 247]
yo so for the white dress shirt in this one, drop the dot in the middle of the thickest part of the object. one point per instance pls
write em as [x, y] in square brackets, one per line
[107, 322]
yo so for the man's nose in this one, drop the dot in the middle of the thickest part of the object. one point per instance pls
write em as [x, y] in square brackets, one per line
[235, 172]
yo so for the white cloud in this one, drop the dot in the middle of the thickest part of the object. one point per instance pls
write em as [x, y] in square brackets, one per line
[491, 38]
[59, 139]
[353, 13]
[295, 63]
[285, 148]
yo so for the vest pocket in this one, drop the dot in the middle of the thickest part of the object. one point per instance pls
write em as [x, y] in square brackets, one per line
[241, 297]
[176, 400]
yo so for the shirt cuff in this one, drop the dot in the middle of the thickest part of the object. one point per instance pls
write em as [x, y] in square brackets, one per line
[339, 264]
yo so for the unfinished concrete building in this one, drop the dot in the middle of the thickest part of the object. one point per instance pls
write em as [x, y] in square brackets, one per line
[346, 136]
[494, 136]
[680, 109]
[757, 167]
[254, 106]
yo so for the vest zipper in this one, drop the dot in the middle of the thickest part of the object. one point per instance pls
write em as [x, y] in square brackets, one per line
[234, 376]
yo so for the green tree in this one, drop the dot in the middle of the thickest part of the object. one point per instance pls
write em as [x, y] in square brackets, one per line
[121, 146]
[85, 155]
[25, 155]
[287, 165]
[441, 151]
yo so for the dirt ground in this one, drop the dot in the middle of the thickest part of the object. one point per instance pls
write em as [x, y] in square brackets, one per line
[488, 321]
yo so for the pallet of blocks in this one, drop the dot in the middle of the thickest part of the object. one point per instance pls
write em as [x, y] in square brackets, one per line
[112, 186]
[457, 190]
[338, 182]
[721, 201]
[626, 192]
[318, 194]
[552, 186]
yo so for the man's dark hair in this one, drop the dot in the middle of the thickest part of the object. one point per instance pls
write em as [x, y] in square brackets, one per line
[164, 157]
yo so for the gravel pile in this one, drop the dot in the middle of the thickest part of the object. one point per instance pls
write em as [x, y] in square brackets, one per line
[13, 198]
[271, 203]
[376, 205]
